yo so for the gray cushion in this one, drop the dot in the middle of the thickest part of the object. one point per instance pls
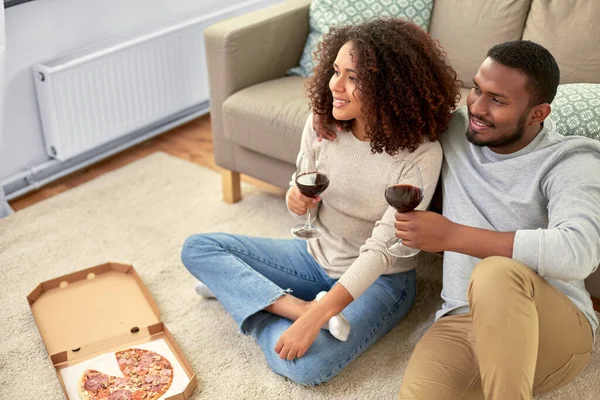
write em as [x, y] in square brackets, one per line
[268, 118]
[576, 110]
[324, 14]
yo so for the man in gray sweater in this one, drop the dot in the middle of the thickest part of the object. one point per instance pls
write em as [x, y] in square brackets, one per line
[520, 231]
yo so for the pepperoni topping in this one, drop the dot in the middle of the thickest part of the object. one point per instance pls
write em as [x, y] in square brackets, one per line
[103, 394]
[120, 395]
[92, 384]
[121, 381]
[139, 395]
[95, 380]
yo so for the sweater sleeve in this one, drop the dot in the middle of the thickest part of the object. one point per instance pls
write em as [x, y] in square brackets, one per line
[569, 249]
[373, 259]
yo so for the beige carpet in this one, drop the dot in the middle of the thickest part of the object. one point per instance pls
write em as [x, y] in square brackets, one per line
[141, 214]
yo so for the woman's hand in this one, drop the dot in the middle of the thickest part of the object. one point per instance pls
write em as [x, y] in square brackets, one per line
[296, 340]
[299, 203]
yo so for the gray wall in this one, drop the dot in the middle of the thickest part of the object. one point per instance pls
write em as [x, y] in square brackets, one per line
[43, 29]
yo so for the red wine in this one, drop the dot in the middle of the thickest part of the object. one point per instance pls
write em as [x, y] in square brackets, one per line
[312, 184]
[403, 198]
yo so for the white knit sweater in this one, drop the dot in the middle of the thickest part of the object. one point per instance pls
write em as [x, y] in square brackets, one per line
[354, 216]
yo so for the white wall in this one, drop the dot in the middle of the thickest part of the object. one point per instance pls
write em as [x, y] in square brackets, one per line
[44, 29]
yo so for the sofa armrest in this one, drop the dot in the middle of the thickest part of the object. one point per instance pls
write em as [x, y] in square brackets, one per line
[253, 48]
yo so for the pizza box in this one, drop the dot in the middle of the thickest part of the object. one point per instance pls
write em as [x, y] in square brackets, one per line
[100, 310]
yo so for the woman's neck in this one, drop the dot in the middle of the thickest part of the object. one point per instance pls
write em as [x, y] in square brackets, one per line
[359, 130]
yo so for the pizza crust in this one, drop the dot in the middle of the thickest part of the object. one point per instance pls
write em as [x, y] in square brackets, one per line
[83, 394]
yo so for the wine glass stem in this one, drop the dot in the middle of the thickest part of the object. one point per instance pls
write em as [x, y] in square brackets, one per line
[307, 223]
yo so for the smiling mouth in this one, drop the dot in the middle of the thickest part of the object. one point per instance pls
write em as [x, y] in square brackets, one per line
[340, 102]
[477, 124]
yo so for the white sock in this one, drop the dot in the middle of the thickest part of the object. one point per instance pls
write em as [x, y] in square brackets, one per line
[338, 325]
[203, 290]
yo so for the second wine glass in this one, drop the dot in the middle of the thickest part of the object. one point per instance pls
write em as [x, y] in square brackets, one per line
[404, 192]
[311, 180]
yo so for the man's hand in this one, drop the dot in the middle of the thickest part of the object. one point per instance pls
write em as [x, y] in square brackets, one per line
[424, 230]
[296, 340]
[322, 132]
[299, 203]
[429, 231]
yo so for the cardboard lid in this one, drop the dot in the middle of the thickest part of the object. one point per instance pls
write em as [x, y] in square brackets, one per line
[91, 306]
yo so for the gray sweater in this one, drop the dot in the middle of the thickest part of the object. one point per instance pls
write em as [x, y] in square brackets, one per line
[548, 193]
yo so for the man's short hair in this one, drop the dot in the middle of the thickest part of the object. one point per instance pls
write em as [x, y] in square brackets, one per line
[533, 60]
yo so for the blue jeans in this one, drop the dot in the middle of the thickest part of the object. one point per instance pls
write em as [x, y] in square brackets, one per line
[247, 274]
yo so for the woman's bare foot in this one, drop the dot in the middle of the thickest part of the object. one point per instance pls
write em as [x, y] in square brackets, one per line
[289, 307]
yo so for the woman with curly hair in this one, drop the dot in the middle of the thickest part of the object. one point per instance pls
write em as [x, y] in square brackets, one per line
[385, 89]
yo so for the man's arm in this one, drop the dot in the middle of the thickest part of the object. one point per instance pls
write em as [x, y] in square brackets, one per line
[429, 231]
[569, 248]
[481, 243]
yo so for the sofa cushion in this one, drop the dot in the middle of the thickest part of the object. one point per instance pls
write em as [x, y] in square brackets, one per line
[467, 29]
[323, 14]
[570, 30]
[576, 110]
[268, 117]
[464, 92]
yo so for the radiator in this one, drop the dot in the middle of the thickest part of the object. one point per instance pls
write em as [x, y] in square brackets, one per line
[94, 95]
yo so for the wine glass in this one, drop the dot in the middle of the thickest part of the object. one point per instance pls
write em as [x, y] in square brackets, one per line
[404, 192]
[311, 180]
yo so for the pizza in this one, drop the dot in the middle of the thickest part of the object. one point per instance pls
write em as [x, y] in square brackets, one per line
[147, 376]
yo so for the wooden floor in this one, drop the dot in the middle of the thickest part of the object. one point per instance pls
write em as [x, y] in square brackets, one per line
[192, 142]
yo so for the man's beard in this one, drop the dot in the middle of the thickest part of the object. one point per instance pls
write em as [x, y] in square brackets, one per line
[506, 140]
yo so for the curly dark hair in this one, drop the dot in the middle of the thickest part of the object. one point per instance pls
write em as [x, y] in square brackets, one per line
[408, 88]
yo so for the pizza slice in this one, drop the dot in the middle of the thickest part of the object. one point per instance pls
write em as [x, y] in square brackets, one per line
[95, 385]
[147, 376]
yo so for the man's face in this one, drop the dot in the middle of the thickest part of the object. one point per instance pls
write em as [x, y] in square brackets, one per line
[498, 106]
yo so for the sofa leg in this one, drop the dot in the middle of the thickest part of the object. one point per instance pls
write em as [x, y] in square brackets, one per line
[232, 190]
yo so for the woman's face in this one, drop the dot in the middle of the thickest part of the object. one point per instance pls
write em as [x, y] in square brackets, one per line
[346, 96]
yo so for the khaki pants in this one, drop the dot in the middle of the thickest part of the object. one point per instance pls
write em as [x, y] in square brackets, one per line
[522, 336]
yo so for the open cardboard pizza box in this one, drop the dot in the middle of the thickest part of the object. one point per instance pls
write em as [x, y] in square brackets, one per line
[90, 314]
